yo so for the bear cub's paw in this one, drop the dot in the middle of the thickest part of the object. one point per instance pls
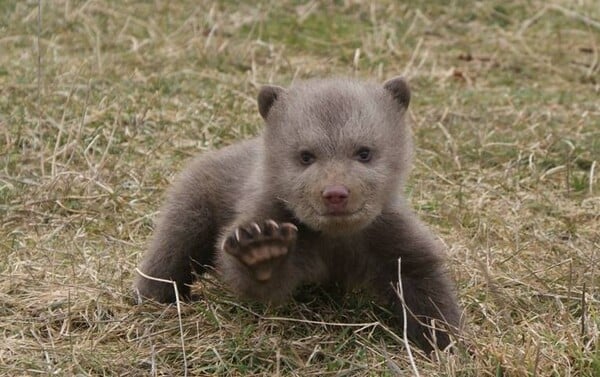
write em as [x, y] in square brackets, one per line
[262, 248]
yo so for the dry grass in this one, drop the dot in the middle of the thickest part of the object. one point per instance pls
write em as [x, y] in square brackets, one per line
[102, 102]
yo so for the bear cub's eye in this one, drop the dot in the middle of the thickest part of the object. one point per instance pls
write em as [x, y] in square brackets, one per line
[363, 154]
[307, 158]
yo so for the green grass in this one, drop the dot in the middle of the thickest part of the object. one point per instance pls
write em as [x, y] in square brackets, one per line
[506, 118]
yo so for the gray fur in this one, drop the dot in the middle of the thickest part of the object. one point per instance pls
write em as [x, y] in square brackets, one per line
[256, 213]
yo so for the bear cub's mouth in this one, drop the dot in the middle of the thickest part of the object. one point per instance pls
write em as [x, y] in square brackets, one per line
[339, 214]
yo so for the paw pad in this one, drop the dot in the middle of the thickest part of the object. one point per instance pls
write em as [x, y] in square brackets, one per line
[261, 247]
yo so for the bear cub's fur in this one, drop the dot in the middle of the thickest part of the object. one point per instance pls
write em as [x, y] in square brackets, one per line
[317, 198]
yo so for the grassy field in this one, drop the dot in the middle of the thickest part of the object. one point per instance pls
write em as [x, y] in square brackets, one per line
[102, 102]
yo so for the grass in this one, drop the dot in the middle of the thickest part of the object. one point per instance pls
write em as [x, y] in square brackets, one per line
[101, 103]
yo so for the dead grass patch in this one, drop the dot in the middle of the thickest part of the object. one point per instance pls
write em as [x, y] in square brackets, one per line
[102, 102]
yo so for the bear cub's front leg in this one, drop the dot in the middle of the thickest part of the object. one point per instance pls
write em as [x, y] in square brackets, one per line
[261, 248]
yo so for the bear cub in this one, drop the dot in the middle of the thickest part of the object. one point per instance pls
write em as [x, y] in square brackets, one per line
[317, 198]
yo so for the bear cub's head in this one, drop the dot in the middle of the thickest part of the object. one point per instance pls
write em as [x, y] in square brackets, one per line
[336, 151]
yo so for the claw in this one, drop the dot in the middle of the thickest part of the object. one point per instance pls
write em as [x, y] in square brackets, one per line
[229, 245]
[223, 244]
[273, 224]
[289, 231]
[255, 226]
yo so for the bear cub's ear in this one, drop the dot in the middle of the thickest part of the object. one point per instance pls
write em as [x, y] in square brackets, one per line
[398, 88]
[267, 96]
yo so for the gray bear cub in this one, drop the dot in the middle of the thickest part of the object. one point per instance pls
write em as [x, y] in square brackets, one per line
[317, 198]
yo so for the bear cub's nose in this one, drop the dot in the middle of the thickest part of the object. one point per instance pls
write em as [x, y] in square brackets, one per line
[336, 198]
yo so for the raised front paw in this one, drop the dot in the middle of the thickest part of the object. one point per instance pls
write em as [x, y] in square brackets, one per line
[261, 247]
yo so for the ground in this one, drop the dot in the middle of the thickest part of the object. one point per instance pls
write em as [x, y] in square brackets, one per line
[102, 102]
